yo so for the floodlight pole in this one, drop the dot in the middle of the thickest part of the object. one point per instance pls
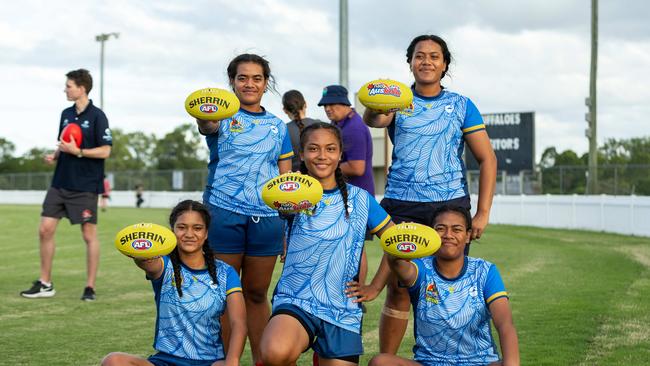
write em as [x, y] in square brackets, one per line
[101, 38]
[343, 43]
[592, 178]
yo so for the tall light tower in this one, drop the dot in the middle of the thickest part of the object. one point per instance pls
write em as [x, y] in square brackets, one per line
[343, 43]
[101, 38]
[591, 132]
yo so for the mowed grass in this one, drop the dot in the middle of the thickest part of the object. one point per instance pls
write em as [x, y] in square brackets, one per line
[578, 298]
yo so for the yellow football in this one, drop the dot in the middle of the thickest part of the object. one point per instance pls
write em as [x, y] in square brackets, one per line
[212, 104]
[292, 192]
[410, 240]
[384, 95]
[145, 240]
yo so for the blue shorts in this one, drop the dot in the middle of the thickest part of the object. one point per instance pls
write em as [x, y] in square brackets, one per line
[233, 233]
[326, 339]
[165, 359]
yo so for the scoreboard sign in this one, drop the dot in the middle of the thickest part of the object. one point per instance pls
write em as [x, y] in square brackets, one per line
[512, 136]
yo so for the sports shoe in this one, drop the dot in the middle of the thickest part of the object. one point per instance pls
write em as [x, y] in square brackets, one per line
[89, 294]
[38, 289]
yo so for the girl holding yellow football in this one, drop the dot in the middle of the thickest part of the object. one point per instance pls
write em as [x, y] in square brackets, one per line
[192, 291]
[427, 169]
[311, 308]
[246, 150]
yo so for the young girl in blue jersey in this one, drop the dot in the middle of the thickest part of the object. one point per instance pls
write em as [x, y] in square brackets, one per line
[310, 306]
[192, 291]
[427, 169]
[454, 298]
[247, 150]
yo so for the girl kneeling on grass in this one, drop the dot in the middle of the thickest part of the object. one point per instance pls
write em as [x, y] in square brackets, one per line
[310, 305]
[454, 298]
[192, 291]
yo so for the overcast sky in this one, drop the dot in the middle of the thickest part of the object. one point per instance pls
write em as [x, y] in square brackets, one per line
[508, 55]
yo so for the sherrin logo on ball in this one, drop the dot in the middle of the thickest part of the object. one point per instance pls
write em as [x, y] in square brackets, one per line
[410, 240]
[145, 240]
[385, 95]
[212, 104]
[292, 193]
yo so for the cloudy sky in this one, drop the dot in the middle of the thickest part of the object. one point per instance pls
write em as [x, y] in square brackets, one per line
[508, 56]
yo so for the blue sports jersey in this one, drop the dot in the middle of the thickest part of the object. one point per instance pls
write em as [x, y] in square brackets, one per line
[189, 326]
[244, 154]
[452, 319]
[324, 253]
[427, 156]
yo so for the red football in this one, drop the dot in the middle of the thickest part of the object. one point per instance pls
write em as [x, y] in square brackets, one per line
[72, 129]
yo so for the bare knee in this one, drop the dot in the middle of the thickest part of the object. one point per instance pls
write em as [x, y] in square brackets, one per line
[397, 298]
[383, 359]
[275, 353]
[114, 359]
[46, 232]
[255, 296]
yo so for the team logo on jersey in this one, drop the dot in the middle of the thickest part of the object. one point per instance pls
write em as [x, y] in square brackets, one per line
[85, 124]
[289, 186]
[236, 126]
[431, 294]
[383, 89]
[107, 135]
[65, 122]
[141, 244]
[473, 292]
[449, 108]
[274, 129]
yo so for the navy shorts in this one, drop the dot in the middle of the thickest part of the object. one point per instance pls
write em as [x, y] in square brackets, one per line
[420, 212]
[328, 340]
[165, 359]
[78, 207]
[233, 233]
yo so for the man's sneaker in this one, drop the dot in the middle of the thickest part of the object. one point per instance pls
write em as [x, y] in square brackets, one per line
[89, 294]
[39, 290]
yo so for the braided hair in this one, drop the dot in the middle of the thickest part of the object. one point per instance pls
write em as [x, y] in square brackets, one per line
[338, 175]
[208, 254]
[293, 101]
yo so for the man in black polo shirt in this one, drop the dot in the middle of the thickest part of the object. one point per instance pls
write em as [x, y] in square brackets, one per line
[78, 179]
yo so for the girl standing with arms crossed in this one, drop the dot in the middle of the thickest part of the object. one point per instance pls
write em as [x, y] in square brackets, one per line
[427, 170]
[310, 304]
[192, 290]
[246, 150]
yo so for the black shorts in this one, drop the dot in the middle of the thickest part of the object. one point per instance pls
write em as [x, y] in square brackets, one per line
[78, 207]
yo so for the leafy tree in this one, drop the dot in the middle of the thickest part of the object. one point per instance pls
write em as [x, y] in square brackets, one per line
[180, 149]
[131, 151]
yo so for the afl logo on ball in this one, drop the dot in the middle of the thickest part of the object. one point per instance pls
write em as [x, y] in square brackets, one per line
[289, 186]
[208, 108]
[406, 247]
[141, 244]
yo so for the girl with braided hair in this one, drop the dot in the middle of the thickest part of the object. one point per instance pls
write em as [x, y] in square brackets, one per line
[192, 291]
[311, 308]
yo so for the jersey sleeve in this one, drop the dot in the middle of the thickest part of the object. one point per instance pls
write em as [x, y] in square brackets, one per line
[287, 148]
[473, 121]
[494, 287]
[233, 283]
[377, 216]
[102, 131]
[415, 286]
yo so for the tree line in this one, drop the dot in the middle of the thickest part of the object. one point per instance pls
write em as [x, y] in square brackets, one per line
[624, 164]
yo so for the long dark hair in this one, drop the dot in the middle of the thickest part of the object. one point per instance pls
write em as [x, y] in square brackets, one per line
[340, 178]
[256, 59]
[208, 255]
[446, 55]
[293, 102]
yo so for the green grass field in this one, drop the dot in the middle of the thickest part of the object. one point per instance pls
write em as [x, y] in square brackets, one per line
[578, 298]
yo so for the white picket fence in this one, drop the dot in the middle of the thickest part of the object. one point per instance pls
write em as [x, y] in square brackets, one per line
[617, 214]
